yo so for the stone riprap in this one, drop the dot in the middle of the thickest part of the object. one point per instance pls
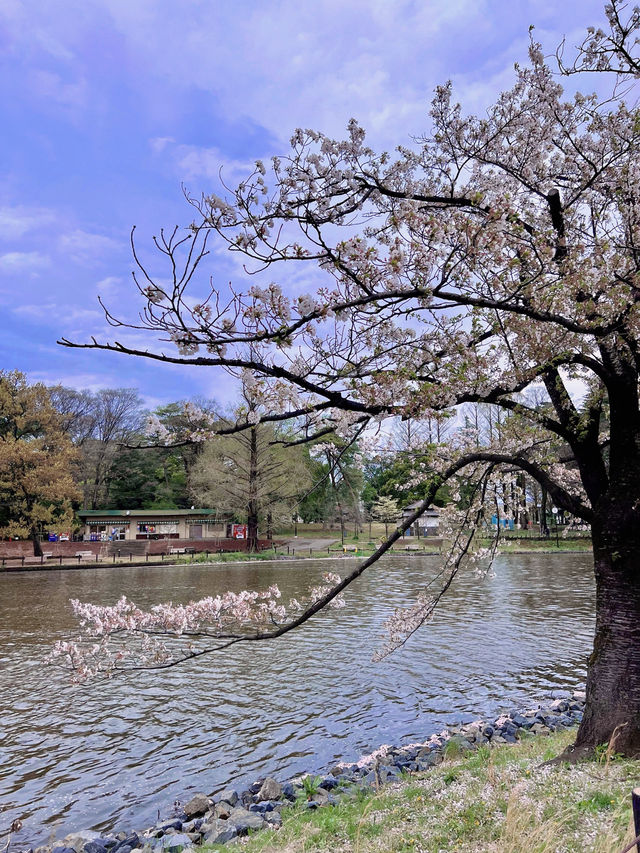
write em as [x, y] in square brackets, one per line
[230, 814]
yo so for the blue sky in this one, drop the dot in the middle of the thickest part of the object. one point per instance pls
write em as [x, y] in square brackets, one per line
[108, 106]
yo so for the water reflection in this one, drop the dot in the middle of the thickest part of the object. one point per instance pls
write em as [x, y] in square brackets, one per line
[113, 753]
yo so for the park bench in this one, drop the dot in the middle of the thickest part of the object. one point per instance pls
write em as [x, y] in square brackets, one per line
[84, 555]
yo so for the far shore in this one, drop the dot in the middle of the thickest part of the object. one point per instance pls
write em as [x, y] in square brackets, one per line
[240, 558]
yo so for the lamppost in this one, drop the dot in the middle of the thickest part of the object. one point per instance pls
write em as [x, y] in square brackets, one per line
[554, 510]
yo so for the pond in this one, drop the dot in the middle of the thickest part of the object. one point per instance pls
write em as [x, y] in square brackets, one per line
[113, 753]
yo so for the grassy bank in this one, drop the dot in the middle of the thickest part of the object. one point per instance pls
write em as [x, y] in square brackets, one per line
[496, 800]
[549, 546]
[365, 550]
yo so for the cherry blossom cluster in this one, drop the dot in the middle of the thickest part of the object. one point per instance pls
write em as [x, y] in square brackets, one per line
[125, 636]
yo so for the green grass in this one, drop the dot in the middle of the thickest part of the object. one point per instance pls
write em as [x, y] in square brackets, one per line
[226, 557]
[497, 800]
[545, 546]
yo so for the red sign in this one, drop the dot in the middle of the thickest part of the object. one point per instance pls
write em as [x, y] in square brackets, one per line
[239, 531]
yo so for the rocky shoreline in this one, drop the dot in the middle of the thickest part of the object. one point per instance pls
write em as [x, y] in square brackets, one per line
[230, 814]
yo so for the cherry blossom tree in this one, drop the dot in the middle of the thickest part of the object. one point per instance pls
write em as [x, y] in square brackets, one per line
[495, 256]
[386, 509]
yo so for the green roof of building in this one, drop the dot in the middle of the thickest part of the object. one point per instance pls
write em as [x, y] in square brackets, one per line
[112, 513]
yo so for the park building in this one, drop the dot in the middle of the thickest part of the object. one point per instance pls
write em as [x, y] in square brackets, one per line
[124, 525]
[427, 525]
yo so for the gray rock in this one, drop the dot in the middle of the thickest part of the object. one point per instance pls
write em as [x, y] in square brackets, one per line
[219, 832]
[386, 773]
[166, 825]
[329, 783]
[273, 818]
[245, 820]
[174, 843]
[255, 786]
[289, 791]
[459, 742]
[264, 806]
[321, 796]
[197, 805]
[370, 778]
[431, 758]
[222, 810]
[94, 847]
[229, 795]
[77, 840]
[270, 790]
[132, 840]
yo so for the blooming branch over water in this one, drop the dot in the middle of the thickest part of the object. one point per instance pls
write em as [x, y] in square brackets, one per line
[123, 636]
[458, 528]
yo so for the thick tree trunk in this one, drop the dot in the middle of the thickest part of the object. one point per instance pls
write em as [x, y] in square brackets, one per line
[252, 531]
[544, 527]
[37, 548]
[612, 709]
[252, 506]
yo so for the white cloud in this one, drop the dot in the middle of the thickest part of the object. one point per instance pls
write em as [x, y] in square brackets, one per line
[285, 64]
[53, 313]
[16, 262]
[79, 381]
[194, 161]
[51, 86]
[159, 143]
[17, 220]
[109, 286]
[282, 63]
[39, 312]
[84, 246]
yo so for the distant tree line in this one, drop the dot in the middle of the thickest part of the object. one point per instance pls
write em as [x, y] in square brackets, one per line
[62, 450]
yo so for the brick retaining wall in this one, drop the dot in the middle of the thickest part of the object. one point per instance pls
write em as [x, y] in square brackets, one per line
[24, 547]
[162, 546]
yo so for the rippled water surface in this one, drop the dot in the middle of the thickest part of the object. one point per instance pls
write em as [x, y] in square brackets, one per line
[114, 753]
